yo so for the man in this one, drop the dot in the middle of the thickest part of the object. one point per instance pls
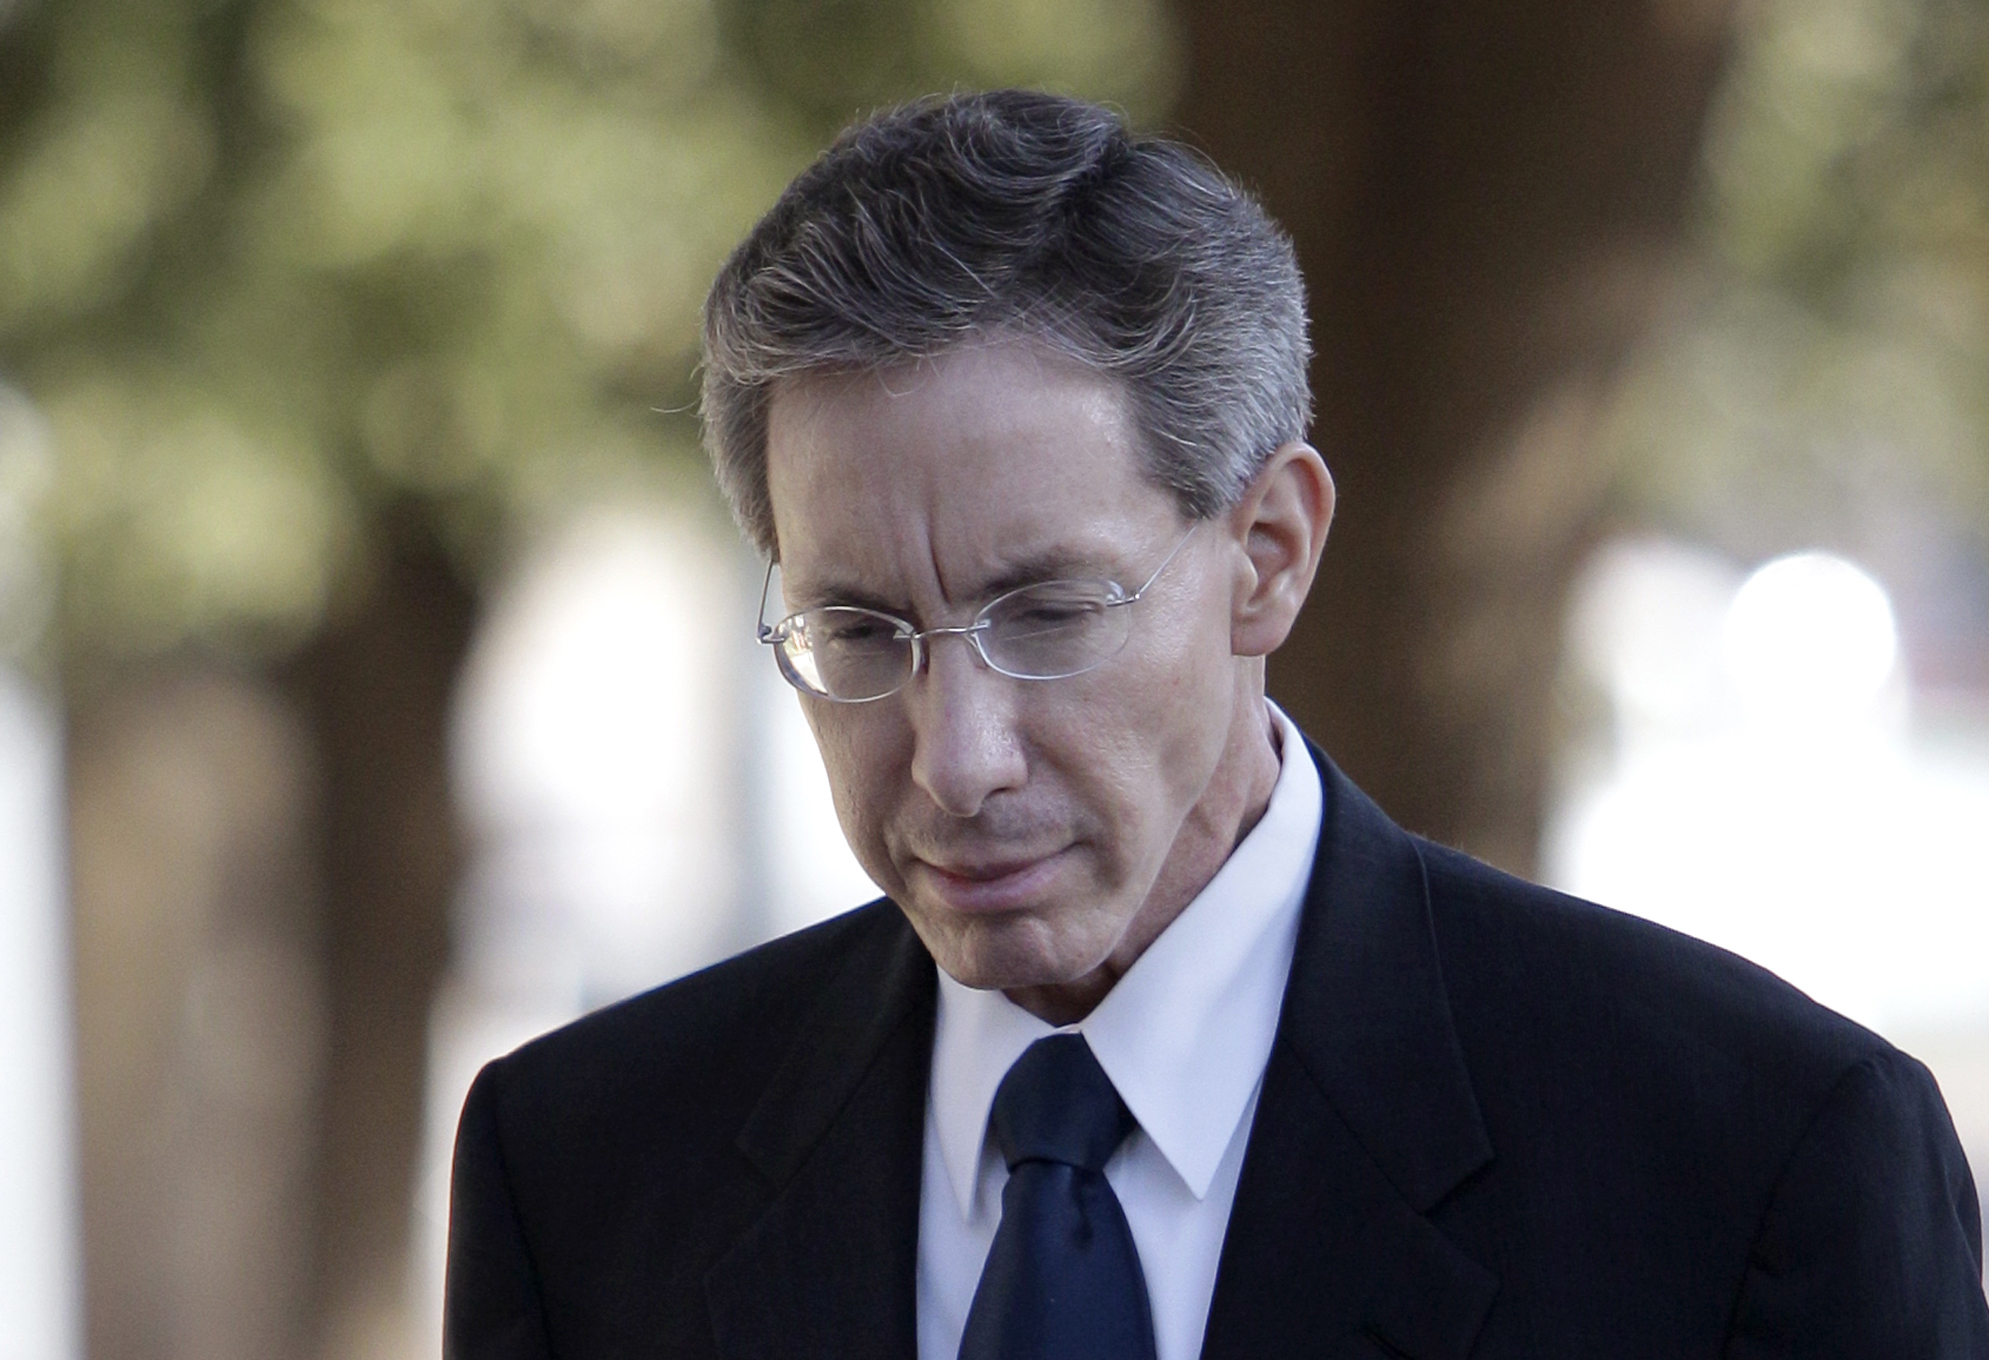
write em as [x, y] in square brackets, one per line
[1165, 1042]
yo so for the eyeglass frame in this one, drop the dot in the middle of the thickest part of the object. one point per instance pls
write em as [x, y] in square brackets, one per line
[772, 635]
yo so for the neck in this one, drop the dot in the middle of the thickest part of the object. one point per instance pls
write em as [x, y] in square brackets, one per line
[1232, 804]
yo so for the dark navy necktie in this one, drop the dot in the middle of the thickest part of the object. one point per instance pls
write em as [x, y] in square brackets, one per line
[1062, 1281]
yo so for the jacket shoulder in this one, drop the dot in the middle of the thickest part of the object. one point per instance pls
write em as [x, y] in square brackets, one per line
[686, 1061]
[602, 1170]
[1533, 965]
[1781, 1163]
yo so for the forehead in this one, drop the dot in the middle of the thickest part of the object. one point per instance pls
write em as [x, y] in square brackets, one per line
[982, 453]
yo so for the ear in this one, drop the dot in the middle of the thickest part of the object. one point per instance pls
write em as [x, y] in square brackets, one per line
[1280, 526]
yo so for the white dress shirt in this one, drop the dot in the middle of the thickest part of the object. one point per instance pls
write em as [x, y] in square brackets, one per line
[1184, 1036]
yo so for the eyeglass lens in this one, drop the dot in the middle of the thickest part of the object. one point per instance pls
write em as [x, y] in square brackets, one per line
[1041, 632]
[1046, 631]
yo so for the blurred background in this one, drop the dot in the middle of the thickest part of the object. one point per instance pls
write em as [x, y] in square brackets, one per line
[377, 684]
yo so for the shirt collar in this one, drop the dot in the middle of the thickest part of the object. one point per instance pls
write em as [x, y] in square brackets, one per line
[1185, 1033]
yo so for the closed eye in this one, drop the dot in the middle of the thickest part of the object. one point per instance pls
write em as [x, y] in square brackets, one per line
[852, 628]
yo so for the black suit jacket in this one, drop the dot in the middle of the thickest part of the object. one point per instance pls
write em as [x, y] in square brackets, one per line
[1496, 1122]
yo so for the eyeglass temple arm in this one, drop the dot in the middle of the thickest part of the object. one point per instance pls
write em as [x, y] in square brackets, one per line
[1174, 553]
[765, 633]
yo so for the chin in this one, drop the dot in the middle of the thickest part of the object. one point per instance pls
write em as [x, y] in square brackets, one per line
[1006, 953]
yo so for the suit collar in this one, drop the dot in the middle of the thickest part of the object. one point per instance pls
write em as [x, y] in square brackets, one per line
[1367, 1122]
[1367, 1012]
[1365, 1015]
[829, 1268]
[884, 985]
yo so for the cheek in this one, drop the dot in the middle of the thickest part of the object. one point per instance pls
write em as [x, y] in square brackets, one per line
[1176, 684]
[860, 755]
[1147, 737]
[1139, 758]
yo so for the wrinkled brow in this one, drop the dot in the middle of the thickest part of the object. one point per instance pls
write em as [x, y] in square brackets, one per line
[1055, 564]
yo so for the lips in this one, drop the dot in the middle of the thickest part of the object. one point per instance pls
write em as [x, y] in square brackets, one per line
[988, 886]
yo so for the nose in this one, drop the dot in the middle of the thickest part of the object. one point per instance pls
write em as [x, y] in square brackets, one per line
[966, 747]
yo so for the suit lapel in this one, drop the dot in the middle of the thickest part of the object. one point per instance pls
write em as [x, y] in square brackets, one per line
[828, 1270]
[1365, 1123]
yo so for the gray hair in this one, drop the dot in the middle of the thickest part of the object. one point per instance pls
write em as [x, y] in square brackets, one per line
[953, 219]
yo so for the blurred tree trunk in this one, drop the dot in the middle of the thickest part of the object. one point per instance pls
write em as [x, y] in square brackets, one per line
[199, 1035]
[375, 690]
[1486, 196]
[261, 883]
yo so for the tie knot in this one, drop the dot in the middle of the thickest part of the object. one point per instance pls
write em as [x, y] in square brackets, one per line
[1056, 1104]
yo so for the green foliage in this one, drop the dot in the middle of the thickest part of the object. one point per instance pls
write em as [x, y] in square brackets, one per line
[1829, 378]
[826, 55]
[270, 267]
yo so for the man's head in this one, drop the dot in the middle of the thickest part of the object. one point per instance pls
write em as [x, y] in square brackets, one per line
[987, 343]
[1016, 213]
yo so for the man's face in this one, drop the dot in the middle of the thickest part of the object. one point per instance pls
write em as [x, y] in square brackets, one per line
[1023, 825]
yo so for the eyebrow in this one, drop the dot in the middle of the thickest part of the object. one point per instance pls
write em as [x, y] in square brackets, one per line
[832, 595]
[1055, 564]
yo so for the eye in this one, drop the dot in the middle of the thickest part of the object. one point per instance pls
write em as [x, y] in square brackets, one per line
[1050, 613]
[852, 628]
[1050, 607]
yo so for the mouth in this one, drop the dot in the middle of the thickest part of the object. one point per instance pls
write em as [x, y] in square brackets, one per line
[979, 887]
